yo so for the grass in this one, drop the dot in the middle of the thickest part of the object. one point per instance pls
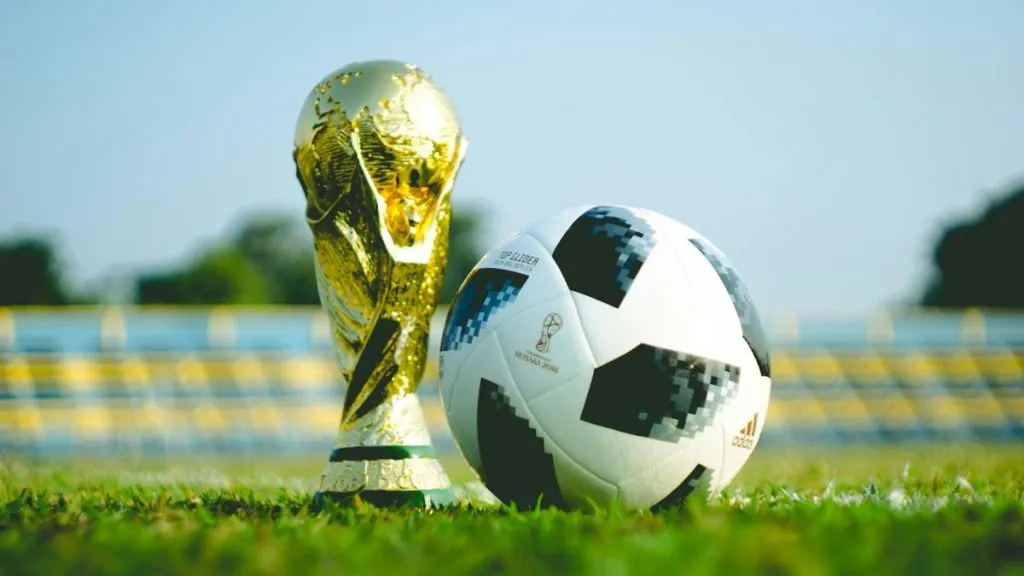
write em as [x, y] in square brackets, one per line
[924, 510]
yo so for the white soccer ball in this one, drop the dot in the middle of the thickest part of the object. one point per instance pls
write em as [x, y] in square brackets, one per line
[609, 353]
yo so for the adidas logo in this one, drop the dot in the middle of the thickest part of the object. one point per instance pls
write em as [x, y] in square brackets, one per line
[745, 438]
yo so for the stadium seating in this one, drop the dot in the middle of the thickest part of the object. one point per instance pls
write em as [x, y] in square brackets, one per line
[170, 380]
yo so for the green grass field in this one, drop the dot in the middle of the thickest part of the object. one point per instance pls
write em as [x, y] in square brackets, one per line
[844, 511]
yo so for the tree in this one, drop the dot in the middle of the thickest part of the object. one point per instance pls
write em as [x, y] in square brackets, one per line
[978, 262]
[464, 248]
[32, 274]
[221, 275]
[280, 247]
[269, 259]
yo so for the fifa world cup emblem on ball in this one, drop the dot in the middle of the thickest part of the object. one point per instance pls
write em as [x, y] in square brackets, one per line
[377, 149]
[552, 324]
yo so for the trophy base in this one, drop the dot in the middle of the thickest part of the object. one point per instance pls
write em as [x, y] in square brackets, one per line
[386, 460]
[420, 499]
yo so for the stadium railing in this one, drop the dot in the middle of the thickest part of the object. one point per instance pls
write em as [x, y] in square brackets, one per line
[77, 381]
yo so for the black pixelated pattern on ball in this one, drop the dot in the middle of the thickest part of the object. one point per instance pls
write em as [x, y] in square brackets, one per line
[753, 331]
[516, 468]
[659, 394]
[484, 292]
[698, 479]
[602, 252]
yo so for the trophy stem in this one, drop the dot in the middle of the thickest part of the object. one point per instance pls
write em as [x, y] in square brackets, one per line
[386, 459]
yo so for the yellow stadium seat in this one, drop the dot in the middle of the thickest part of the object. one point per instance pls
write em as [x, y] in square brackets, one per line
[1014, 407]
[960, 368]
[92, 421]
[914, 369]
[784, 370]
[319, 418]
[818, 368]
[775, 415]
[135, 372]
[1002, 366]
[45, 369]
[18, 372]
[849, 410]
[893, 409]
[121, 416]
[220, 371]
[9, 415]
[79, 374]
[209, 418]
[152, 418]
[111, 370]
[180, 417]
[939, 410]
[799, 411]
[983, 409]
[247, 371]
[306, 371]
[21, 419]
[18, 377]
[53, 416]
[265, 417]
[865, 369]
[191, 372]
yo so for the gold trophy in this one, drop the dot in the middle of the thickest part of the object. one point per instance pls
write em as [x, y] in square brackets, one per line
[377, 150]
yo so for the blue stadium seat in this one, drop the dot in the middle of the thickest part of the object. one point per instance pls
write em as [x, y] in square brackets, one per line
[58, 331]
[166, 331]
[836, 334]
[931, 332]
[1004, 330]
[277, 331]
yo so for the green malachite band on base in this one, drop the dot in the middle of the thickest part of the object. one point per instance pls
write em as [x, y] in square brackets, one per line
[436, 498]
[365, 453]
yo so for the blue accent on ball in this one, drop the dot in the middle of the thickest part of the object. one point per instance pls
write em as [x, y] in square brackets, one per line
[484, 292]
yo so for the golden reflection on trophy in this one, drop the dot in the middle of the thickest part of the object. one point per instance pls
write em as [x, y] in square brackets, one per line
[377, 150]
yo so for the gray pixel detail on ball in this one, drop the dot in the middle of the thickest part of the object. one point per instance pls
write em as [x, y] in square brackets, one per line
[631, 243]
[753, 331]
[660, 394]
[718, 381]
[737, 290]
[602, 252]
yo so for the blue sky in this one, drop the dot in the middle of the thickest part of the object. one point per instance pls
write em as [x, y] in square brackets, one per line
[819, 144]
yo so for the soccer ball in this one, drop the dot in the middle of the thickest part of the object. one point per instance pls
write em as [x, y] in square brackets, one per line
[605, 354]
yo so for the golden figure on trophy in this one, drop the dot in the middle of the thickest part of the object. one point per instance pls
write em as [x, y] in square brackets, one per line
[377, 149]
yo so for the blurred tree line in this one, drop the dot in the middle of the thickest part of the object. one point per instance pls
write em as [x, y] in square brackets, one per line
[979, 262]
[267, 259]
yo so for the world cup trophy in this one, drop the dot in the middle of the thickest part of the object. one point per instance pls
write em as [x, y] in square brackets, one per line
[378, 147]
